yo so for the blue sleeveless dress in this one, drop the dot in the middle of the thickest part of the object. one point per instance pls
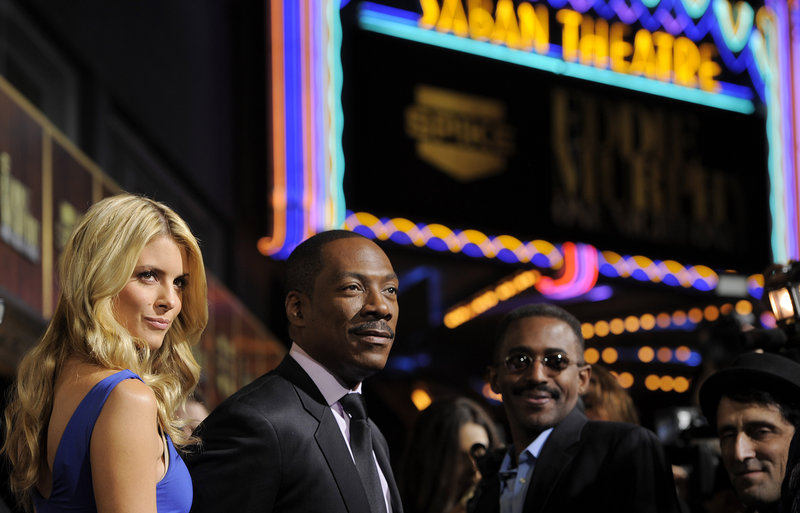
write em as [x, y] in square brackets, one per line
[72, 473]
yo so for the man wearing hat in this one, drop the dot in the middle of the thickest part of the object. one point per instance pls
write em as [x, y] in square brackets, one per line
[755, 406]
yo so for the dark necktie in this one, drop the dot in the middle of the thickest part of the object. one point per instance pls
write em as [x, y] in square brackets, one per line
[361, 445]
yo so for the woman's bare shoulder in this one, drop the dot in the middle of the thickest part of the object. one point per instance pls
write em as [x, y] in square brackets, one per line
[134, 394]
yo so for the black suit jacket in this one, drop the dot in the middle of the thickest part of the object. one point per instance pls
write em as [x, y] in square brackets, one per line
[591, 466]
[275, 446]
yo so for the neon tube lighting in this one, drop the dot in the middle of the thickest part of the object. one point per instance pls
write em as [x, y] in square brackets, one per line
[400, 28]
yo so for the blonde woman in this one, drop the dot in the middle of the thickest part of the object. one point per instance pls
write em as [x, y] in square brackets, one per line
[92, 422]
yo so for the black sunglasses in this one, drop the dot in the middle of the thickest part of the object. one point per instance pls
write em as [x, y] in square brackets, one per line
[554, 362]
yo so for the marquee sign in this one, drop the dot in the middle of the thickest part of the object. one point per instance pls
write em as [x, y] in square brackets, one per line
[655, 47]
[728, 61]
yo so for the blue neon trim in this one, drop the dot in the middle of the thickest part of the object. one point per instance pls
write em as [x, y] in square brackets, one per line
[735, 63]
[737, 90]
[382, 25]
[790, 212]
[294, 129]
[697, 31]
[392, 13]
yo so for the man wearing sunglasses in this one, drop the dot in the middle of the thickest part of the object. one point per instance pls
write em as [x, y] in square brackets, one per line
[559, 460]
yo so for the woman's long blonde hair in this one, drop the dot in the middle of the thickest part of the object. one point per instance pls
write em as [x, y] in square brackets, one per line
[97, 262]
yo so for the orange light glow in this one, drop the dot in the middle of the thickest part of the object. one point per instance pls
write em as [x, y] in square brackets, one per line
[646, 354]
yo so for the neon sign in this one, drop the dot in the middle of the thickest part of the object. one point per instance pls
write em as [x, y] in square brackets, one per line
[656, 55]
[757, 45]
[308, 163]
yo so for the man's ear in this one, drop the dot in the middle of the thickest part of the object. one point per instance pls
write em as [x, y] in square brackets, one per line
[295, 306]
[584, 375]
[491, 378]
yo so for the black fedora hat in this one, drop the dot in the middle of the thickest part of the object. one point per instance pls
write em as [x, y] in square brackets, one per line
[769, 372]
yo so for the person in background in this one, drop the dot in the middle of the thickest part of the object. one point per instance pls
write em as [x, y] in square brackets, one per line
[91, 424]
[437, 472]
[605, 399]
[193, 412]
[299, 439]
[560, 460]
[755, 407]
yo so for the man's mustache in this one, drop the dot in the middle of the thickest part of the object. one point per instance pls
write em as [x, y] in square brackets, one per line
[378, 325]
[745, 467]
[530, 386]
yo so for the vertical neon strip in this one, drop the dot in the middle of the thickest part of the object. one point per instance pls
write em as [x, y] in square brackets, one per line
[794, 41]
[295, 213]
[272, 244]
[318, 129]
[307, 194]
[336, 190]
[327, 73]
[784, 56]
[318, 81]
[306, 100]
[775, 139]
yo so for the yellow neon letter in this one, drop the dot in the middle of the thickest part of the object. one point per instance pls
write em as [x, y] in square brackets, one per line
[644, 55]
[481, 23]
[506, 29]
[534, 27]
[430, 13]
[594, 42]
[663, 42]
[687, 62]
[709, 69]
[619, 49]
[571, 21]
[453, 19]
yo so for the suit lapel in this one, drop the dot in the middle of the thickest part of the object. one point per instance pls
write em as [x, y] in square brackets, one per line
[381, 449]
[331, 443]
[328, 436]
[557, 453]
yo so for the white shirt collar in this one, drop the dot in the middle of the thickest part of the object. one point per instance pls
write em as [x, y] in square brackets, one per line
[326, 382]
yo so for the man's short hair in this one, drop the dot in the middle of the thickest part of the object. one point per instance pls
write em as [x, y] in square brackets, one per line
[785, 401]
[305, 262]
[537, 310]
[755, 378]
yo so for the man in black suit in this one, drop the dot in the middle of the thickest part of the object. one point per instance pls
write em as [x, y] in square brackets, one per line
[755, 407]
[560, 461]
[289, 441]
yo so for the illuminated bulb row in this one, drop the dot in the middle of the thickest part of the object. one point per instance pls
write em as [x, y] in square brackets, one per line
[540, 253]
[668, 272]
[677, 384]
[645, 354]
[663, 320]
[625, 379]
[652, 382]
[592, 355]
[488, 299]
